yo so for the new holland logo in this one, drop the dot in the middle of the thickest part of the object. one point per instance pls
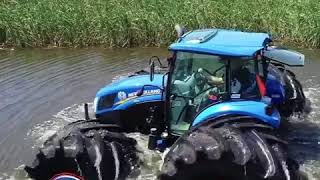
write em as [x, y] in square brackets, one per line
[122, 95]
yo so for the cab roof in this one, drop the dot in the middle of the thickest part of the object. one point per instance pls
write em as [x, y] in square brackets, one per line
[221, 42]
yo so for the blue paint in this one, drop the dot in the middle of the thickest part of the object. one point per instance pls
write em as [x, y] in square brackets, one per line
[255, 109]
[130, 103]
[275, 90]
[128, 88]
[130, 84]
[221, 42]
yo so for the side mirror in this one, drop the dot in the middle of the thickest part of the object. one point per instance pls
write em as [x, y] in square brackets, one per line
[151, 70]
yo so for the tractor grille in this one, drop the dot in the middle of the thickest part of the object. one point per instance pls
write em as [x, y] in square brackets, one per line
[106, 101]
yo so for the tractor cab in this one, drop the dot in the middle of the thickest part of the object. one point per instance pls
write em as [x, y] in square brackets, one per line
[202, 80]
[215, 72]
[209, 67]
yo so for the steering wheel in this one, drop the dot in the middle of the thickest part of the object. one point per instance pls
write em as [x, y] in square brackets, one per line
[200, 78]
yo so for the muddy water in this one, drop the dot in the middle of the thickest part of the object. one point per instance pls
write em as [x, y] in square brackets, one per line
[305, 131]
[42, 90]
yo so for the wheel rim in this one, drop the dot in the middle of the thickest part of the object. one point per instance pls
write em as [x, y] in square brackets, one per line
[66, 176]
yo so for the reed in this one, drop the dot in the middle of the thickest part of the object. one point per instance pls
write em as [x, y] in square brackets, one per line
[128, 23]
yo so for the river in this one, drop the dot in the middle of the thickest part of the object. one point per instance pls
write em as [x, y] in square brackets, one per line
[41, 90]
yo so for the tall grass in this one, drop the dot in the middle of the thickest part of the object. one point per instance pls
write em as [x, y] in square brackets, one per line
[128, 23]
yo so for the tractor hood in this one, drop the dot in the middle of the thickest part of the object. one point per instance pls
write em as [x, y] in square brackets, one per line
[130, 84]
[122, 93]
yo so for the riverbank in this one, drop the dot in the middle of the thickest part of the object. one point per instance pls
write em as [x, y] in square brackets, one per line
[130, 23]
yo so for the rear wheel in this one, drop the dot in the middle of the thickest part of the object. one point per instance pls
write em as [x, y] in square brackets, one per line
[230, 153]
[85, 150]
[295, 102]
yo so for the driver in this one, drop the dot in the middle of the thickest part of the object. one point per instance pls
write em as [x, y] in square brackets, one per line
[242, 80]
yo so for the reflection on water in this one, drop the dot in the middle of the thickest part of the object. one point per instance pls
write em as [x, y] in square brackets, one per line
[42, 90]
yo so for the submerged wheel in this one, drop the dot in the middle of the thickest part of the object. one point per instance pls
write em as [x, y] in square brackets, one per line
[295, 102]
[229, 153]
[85, 150]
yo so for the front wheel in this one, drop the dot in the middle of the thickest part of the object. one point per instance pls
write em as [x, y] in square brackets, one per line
[85, 150]
[228, 153]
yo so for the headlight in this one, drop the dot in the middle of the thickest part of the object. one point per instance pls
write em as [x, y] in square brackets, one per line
[105, 101]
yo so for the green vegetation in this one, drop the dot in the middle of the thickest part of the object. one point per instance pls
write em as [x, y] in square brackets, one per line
[125, 23]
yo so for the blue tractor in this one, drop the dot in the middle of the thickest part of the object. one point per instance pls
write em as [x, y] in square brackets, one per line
[216, 110]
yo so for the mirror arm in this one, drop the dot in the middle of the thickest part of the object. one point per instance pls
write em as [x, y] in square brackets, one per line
[156, 58]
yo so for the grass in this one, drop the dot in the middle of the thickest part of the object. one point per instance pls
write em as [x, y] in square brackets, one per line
[128, 23]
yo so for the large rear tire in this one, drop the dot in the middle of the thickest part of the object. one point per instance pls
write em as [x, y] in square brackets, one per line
[229, 153]
[296, 101]
[87, 150]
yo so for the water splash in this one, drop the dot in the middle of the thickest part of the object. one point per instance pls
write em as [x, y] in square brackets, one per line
[42, 131]
[304, 132]
[19, 174]
[151, 160]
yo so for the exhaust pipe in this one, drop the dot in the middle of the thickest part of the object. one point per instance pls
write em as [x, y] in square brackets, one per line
[180, 30]
[86, 112]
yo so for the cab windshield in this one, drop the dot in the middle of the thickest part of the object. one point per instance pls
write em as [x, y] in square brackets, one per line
[200, 80]
[197, 80]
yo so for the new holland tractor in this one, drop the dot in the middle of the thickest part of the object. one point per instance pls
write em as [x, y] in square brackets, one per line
[216, 110]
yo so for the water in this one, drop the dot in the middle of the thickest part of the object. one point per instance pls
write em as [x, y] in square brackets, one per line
[305, 131]
[42, 90]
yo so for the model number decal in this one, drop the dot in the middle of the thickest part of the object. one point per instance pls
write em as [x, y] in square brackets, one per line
[146, 92]
[133, 95]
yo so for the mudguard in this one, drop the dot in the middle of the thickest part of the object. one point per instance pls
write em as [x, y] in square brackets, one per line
[275, 89]
[122, 94]
[284, 56]
[256, 109]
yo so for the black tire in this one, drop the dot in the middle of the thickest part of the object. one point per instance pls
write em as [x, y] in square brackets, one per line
[296, 101]
[86, 149]
[228, 153]
[299, 104]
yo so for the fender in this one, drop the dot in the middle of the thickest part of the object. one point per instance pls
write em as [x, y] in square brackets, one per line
[256, 109]
[275, 90]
